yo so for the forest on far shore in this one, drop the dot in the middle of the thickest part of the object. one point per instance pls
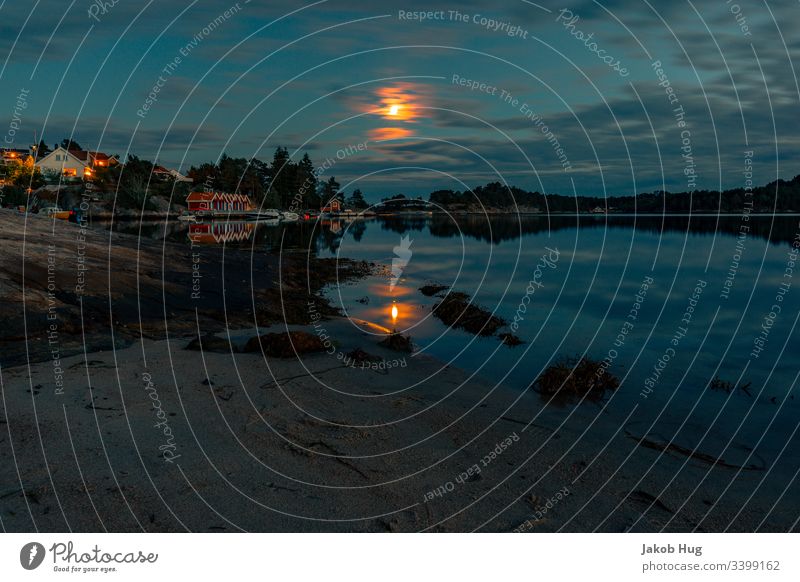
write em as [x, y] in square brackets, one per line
[777, 196]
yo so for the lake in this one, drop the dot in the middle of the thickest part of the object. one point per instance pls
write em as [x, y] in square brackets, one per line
[669, 303]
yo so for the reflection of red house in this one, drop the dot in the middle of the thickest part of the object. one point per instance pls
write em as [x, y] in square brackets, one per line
[218, 201]
[220, 232]
[332, 206]
[335, 226]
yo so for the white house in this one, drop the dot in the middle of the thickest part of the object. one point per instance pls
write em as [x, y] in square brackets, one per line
[64, 162]
[74, 163]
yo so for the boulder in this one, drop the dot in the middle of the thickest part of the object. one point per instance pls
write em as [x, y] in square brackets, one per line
[457, 310]
[433, 289]
[398, 342]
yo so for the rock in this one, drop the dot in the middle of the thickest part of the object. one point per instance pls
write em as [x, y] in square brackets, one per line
[456, 310]
[510, 339]
[359, 356]
[159, 204]
[285, 344]
[211, 343]
[433, 289]
[398, 342]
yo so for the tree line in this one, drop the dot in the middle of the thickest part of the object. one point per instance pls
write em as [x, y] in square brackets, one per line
[285, 183]
[281, 183]
[777, 196]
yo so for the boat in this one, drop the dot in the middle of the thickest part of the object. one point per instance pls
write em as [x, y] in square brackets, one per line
[265, 214]
[290, 216]
[55, 212]
[187, 217]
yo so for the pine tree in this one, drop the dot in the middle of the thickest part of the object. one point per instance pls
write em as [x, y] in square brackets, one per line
[281, 177]
[306, 182]
[69, 144]
[330, 191]
[357, 200]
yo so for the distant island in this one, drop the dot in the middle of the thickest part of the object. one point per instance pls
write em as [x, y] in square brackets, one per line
[777, 196]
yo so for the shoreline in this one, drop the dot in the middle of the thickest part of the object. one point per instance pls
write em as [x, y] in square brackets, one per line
[152, 216]
[66, 286]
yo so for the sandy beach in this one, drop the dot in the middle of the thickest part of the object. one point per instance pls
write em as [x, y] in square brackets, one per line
[155, 437]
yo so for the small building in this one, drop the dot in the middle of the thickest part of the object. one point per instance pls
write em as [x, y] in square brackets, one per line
[218, 202]
[334, 206]
[169, 174]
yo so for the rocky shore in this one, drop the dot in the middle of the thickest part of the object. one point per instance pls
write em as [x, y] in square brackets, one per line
[73, 289]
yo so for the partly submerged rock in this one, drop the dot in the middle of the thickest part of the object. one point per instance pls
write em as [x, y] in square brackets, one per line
[398, 342]
[510, 339]
[360, 356]
[457, 310]
[432, 289]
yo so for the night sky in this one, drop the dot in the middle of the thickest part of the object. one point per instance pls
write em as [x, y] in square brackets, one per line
[558, 108]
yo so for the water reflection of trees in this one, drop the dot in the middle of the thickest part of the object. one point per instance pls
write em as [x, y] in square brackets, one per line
[778, 229]
[403, 224]
[313, 236]
[327, 235]
[357, 229]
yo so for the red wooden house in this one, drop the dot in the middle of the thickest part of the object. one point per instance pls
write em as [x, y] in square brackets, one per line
[333, 206]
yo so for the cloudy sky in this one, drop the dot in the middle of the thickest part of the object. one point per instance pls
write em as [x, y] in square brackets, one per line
[608, 98]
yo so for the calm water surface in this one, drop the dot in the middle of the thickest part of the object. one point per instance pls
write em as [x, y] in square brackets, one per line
[677, 342]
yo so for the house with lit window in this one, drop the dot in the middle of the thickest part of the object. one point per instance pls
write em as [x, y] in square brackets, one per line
[11, 155]
[74, 163]
[218, 202]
